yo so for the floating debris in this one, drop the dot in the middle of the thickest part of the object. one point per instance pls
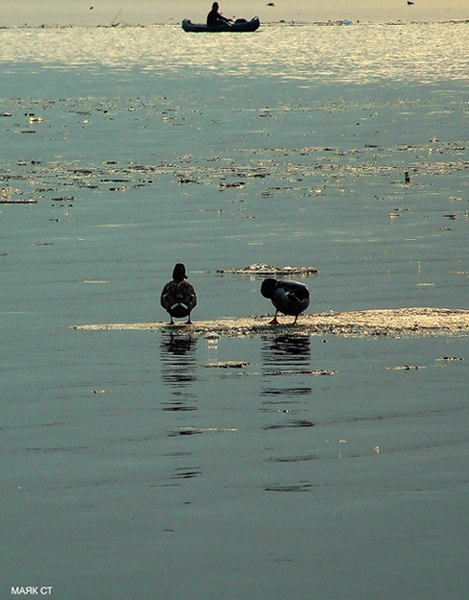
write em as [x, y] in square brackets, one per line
[236, 184]
[18, 200]
[406, 368]
[264, 269]
[303, 372]
[183, 180]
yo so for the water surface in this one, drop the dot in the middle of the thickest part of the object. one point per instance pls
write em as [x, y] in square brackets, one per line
[136, 463]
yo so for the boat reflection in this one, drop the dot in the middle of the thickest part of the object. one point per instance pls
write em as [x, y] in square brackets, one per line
[178, 370]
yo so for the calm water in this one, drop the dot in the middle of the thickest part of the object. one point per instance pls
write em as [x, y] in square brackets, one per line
[133, 464]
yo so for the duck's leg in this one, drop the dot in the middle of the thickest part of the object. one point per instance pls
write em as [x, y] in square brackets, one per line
[274, 320]
[171, 322]
[189, 322]
[294, 322]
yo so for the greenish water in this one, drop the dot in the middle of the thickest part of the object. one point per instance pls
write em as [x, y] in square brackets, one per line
[131, 465]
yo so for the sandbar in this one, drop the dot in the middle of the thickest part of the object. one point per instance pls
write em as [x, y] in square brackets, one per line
[373, 322]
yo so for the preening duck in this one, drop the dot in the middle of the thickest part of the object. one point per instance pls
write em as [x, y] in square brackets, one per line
[179, 297]
[288, 297]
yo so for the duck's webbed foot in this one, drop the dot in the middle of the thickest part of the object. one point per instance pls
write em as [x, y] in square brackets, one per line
[274, 320]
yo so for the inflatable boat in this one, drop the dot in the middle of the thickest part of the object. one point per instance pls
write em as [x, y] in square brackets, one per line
[238, 25]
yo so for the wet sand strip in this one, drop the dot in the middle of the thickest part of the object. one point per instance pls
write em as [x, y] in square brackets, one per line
[375, 322]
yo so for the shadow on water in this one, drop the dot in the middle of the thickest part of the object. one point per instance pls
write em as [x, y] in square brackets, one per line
[178, 370]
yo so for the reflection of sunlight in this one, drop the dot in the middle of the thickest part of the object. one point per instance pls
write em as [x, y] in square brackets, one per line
[359, 54]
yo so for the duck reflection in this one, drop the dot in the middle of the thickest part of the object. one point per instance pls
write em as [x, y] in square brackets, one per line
[282, 350]
[178, 370]
[287, 357]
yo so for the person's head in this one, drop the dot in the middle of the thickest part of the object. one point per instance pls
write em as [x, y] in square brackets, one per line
[215, 6]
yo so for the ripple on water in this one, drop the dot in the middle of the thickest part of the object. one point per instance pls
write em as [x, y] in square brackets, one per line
[362, 53]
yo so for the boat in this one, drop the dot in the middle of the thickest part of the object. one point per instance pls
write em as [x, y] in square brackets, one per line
[238, 25]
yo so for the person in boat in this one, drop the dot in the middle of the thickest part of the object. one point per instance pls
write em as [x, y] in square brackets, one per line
[214, 18]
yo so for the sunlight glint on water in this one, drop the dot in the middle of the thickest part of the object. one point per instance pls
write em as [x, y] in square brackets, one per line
[358, 54]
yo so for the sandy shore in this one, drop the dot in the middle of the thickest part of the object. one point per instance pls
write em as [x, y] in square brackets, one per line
[364, 323]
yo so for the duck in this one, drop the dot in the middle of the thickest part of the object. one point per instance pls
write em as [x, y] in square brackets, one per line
[288, 297]
[179, 297]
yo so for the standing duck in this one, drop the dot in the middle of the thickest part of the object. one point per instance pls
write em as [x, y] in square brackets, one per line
[288, 297]
[178, 297]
